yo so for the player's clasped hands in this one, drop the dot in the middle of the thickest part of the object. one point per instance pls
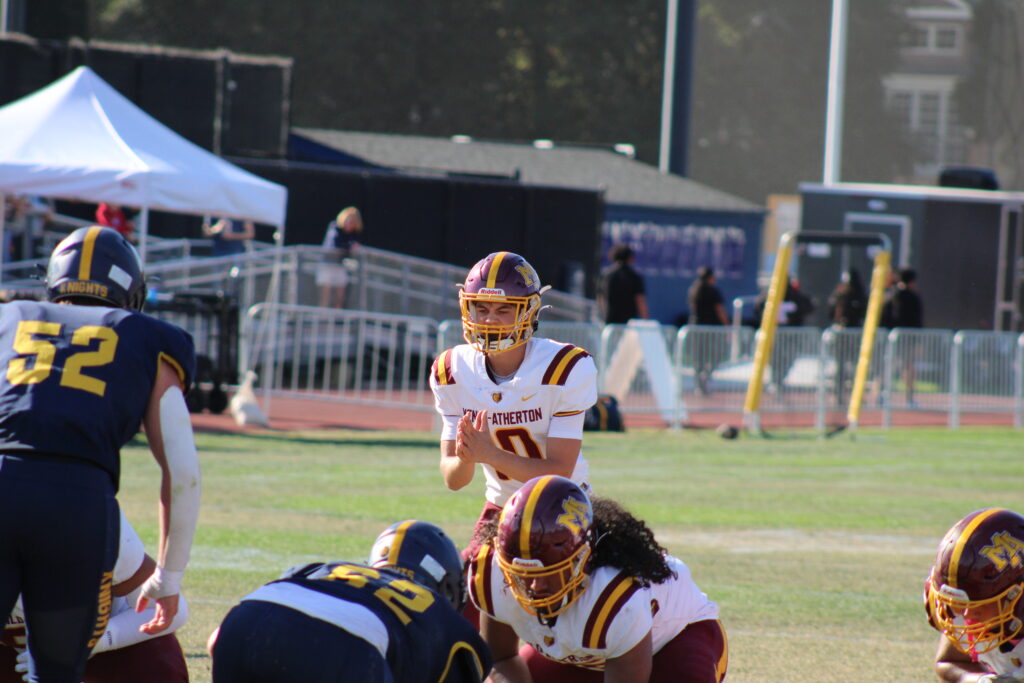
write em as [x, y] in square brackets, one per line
[473, 437]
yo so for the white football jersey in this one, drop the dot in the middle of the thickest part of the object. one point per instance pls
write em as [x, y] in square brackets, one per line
[130, 555]
[613, 614]
[1009, 662]
[548, 397]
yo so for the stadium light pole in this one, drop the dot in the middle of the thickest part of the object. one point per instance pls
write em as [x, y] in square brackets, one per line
[836, 93]
[680, 32]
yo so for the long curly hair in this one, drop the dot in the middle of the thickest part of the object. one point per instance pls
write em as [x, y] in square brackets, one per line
[618, 539]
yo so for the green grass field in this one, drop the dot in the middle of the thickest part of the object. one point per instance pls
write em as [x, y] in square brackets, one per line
[816, 551]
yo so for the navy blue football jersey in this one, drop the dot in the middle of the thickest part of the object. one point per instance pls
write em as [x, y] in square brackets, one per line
[427, 641]
[75, 380]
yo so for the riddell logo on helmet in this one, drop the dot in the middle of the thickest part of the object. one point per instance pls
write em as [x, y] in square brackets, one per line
[76, 287]
[528, 564]
[954, 594]
[492, 291]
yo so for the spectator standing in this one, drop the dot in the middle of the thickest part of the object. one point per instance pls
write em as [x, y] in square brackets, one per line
[340, 242]
[705, 299]
[706, 308]
[14, 225]
[907, 310]
[848, 303]
[112, 216]
[793, 311]
[228, 239]
[38, 212]
[622, 294]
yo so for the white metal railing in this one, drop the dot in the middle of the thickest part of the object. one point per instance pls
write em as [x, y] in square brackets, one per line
[347, 356]
[382, 281]
[384, 359]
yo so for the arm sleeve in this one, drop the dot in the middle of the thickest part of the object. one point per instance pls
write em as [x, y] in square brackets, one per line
[183, 468]
[123, 627]
[130, 553]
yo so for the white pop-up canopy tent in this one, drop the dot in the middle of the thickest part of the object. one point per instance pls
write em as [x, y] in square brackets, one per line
[78, 138]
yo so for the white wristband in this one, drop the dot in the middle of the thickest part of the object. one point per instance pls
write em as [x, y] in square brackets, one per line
[162, 583]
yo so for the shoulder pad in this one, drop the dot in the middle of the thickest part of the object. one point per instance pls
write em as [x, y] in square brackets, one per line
[442, 369]
[618, 591]
[562, 364]
[480, 570]
[302, 571]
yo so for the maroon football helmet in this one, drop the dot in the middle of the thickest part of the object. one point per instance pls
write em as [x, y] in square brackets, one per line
[506, 278]
[973, 593]
[543, 544]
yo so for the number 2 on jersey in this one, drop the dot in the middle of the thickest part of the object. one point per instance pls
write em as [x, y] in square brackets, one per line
[400, 595]
[42, 353]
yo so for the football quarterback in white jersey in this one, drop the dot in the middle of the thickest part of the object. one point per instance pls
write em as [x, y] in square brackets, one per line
[590, 591]
[973, 596]
[154, 657]
[510, 401]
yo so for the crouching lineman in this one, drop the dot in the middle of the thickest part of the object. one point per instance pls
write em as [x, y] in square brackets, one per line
[973, 597]
[124, 653]
[394, 620]
[593, 595]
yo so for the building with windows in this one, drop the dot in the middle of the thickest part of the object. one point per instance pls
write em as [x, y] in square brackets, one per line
[921, 91]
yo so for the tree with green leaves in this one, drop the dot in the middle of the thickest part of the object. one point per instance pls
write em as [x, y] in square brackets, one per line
[991, 95]
[758, 123]
[565, 70]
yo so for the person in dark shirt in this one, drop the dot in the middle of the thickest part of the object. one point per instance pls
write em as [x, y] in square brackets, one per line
[848, 303]
[341, 241]
[393, 620]
[622, 292]
[705, 299]
[907, 310]
[228, 236]
[847, 306]
[81, 373]
[907, 307]
[706, 308]
[793, 310]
